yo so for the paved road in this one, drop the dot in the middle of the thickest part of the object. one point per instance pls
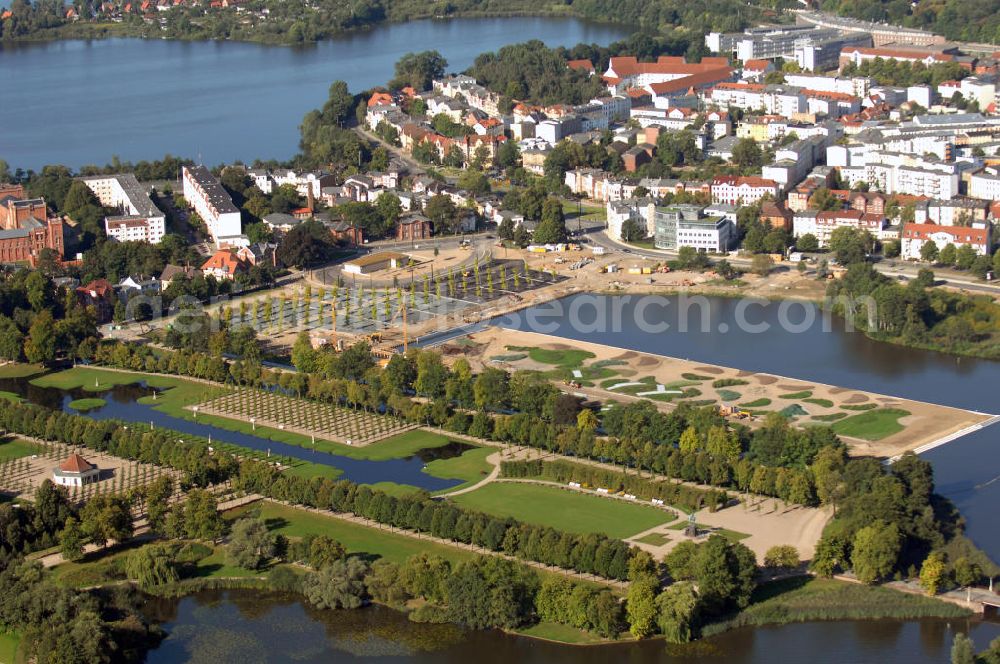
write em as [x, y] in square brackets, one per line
[899, 269]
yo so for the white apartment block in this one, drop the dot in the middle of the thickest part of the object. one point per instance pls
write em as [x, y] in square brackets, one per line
[901, 173]
[753, 97]
[140, 220]
[857, 86]
[914, 236]
[213, 204]
[985, 184]
[822, 224]
[268, 181]
[734, 190]
[642, 210]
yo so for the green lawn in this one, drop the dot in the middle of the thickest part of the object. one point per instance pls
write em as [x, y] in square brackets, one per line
[562, 509]
[8, 647]
[15, 449]
[10, 396]
[656, 539]
[561, 633]
[83, 405]
[104, 568]
[294, 522]
[20, 370]
[805, 394]
[470, 467]
[825, 403]
[757, 403]
[569, 357]
[872, 424]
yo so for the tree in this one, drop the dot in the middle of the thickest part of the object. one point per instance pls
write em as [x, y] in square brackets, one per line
[324, 551]
[633, 230]
[724, 572]
[304, 356]
[308, 243]
[157, 503]
[875, 551]
[40, 346]
[932, 573]
[474, 182]
[967, 573]
[640, 605]
[491, 390]
[338, 586]
[201, 516]
[807, 242]
[106, 517]
[677, 612]
[441, 210]
[850, 245]
[251, 544]
[963, 651]
[552, 227]
[418, 70]
[929, 251]
[781, 556]
[947, 254]
[151, 565]
[11, 340]
[747, 154]
[965, 257]
[725, 270]
[71, 540]
[690, 441]
[761, 264]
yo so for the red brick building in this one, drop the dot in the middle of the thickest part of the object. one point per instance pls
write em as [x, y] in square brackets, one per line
[413, 227]
[26, 227]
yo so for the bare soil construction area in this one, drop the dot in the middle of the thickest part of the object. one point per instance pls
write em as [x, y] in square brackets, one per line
[872, 424]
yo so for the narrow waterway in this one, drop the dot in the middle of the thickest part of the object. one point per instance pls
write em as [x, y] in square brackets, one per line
[122, 404]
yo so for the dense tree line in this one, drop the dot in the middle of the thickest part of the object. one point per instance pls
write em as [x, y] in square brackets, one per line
[905, 74]
[955, 19]
[689, 498]
[39, 322]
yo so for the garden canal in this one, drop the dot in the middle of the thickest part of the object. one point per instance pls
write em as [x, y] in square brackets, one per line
[122, 403]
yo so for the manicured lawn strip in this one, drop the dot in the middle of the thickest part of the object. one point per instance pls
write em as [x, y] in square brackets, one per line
[83, 405]
[803, 599]
[694, 376]
[729, 382]
[756, 403]
[294, 522]
[470, 467]
[563, 509]
[728, 395]
[399, 446]
[570, 357]
[825, 403]
[560, 633]
[795, 410]
[15, 449]
[10, 396]
[872, 425]
[805, 394]
[20, 370]
[656, 539]
[733, 535]
[860, 406]
[8, 647]
[832, 417]
[310, 470]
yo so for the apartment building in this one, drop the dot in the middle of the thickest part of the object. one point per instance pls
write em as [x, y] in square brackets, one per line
[205, 194]
[139, 219]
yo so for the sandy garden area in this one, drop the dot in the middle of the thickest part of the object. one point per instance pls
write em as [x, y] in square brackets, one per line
[872, 424]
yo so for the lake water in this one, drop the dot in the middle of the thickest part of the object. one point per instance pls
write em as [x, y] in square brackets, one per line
[719, 332]
[241, 627]
[122, 404]
[82, 102]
